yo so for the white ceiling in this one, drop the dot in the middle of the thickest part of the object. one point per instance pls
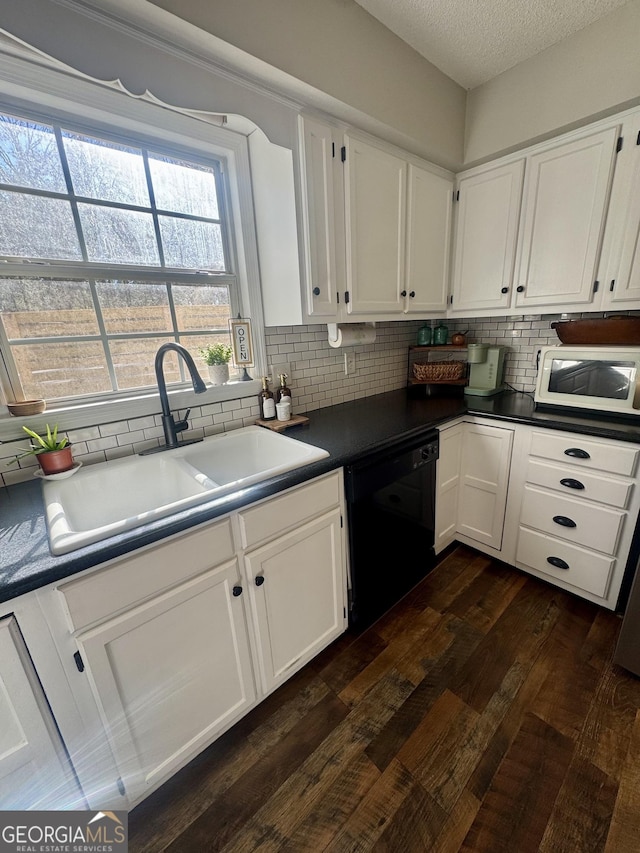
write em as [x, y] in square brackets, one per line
[474, 40]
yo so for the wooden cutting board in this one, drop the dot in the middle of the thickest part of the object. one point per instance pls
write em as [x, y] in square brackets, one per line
[280, 426]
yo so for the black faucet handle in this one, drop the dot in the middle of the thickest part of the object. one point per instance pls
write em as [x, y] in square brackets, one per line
[183, 423]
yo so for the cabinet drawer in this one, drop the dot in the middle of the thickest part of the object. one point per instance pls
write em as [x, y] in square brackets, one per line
[263, 522]
[591, 453]
[586, 570]
[595, 526]
[120, 585]
[580, 485]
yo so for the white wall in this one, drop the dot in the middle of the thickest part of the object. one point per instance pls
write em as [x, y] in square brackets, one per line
[589, 75]
[331, 55]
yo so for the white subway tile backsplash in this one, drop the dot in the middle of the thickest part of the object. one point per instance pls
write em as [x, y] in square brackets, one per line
[318, 380]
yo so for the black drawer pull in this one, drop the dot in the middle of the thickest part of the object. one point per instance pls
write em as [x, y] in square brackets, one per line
[237, 590]
[577, 453]
[557, 562]
[259, 580]
[563, 521]
[570, 483]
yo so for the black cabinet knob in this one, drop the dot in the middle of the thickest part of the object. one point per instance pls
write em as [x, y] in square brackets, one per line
[237, 590]
[577, 453]
[557, 562]
[259, 580]
[570, 483]
[403, 293]
[412, 293]
[504, 290]
[563, 521]
[316, 291]
[520, 288]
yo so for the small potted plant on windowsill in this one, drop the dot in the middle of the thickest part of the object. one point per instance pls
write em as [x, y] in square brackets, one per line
[54, 454]
[216, 357]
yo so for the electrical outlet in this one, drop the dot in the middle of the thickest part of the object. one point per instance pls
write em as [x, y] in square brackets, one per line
[349, 363]
[278, 368]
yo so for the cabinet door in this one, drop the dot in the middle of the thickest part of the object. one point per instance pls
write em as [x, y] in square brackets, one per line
[447, 486]
[486, 460]
[375, 221]
[34, 769]
[317, 157]
[487, 215]
[297, 595]
[430, 201]
[171, 673]
[621, 273]
[564, 208]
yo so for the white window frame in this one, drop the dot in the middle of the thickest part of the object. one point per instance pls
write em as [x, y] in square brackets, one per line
[91, 107]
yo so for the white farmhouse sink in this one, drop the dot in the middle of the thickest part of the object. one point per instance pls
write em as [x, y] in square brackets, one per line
[249, 455]
[105, 499]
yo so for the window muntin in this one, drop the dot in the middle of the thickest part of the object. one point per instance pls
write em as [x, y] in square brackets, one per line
[142, 238]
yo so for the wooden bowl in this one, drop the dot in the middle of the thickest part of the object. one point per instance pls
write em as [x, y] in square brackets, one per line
[27, 407]
[615, 331]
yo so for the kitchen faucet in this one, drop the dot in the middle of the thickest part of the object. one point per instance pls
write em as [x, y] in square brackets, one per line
[170, 426]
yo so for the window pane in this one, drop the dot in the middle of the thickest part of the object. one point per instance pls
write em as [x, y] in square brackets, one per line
[48, 371]
[29, 156]
[35, 227]
[118, 236]
[133, 362]
[106, 171]
[191, 245]
[183, 188]
[46, 308]
[201, 307]
[133, 306]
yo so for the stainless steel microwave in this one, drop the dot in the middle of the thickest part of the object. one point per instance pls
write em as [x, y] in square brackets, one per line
[602, 379]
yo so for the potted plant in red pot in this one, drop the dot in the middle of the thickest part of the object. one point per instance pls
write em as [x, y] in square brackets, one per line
[54, 455]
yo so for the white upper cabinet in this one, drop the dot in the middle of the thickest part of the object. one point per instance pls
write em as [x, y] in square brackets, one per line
[375, 183]
[487, 215]
[563, 214]
[530, 228]
[376, 227]
[430, 199]
[620, 269]
[318, 176]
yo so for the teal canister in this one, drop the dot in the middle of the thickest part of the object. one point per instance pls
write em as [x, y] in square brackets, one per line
[424, 336]
[440, 335]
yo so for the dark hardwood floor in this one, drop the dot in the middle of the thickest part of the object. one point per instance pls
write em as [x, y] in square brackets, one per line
[483, 713]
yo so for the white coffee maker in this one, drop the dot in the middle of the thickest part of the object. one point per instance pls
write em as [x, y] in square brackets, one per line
[486, 365]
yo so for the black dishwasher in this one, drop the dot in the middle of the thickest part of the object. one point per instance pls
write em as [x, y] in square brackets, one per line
[391, 518]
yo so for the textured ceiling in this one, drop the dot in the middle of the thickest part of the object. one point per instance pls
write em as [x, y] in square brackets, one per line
[474, 40]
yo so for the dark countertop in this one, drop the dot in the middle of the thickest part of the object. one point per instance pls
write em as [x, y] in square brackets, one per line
[347, 431]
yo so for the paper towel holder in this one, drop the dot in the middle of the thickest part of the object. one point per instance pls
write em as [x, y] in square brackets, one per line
[351, 334]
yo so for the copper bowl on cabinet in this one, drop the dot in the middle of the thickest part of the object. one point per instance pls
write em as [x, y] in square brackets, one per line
[613, 331]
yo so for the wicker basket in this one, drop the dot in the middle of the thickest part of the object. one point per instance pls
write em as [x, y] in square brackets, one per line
[443, 371]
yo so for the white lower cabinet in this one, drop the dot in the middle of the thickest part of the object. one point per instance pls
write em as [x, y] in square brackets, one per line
[171, 673]
[578, 505]
[558, 505]
[35, 772]
[484, 479]
[181, 639]
[297, 598]
[448, 485]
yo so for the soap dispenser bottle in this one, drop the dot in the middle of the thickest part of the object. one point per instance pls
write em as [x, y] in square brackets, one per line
[283, 394]
[266, 401]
